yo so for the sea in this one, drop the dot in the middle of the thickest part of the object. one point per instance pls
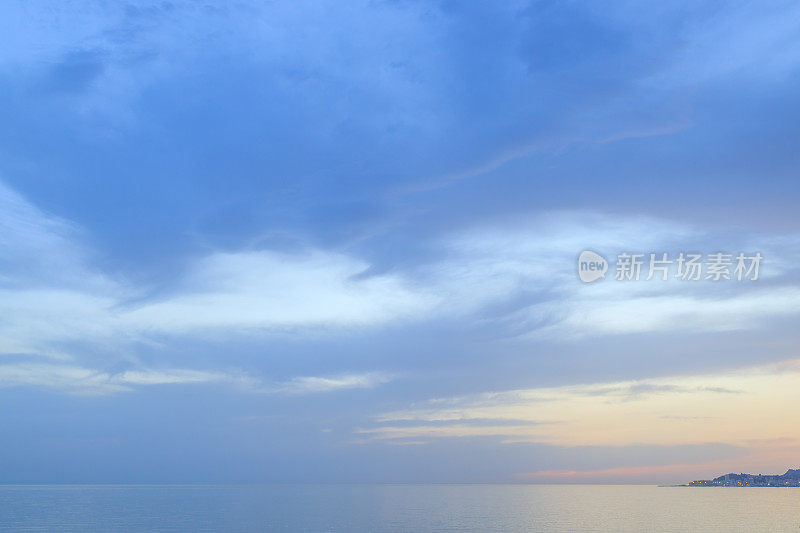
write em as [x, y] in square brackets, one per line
[385, 508]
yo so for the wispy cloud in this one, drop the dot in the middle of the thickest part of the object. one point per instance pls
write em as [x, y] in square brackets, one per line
[276, 291]
[79, 380]
[75, 379]
[535, 257]
[317, 384]
[712, 407]
[50, 292]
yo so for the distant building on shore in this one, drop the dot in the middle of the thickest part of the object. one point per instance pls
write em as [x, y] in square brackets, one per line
[790, 479]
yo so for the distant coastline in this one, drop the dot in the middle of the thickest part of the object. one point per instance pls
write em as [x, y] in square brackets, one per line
[790, 479]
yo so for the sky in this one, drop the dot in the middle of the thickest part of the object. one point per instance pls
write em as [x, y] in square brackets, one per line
[338, 242]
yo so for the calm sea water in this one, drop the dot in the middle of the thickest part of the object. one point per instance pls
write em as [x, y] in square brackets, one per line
[396, 508]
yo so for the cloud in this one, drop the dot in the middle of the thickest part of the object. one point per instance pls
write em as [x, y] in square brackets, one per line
[518, 276]
[249, 291]
[392, 433]
[314, 384]
[273, 290]
[79, 380]
[38, 249]
[51, 292]
[75, 379]
[48, 289]
[515, 277]
[676, 410]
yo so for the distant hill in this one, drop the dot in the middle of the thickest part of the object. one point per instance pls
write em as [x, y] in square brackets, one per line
[790, 479]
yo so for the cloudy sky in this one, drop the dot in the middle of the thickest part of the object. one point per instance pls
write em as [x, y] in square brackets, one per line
[338, 242]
